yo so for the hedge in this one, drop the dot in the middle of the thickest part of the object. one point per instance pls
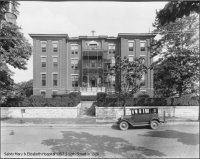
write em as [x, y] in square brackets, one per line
[66, 100]
[88, 98]
[104, 100]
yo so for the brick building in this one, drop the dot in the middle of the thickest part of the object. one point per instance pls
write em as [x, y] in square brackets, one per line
[63, 64]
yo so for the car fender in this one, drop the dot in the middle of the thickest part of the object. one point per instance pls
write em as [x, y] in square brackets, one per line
[126, 121]
[157, 119]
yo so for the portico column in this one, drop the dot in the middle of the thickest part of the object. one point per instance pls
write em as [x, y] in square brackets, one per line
[88, 70]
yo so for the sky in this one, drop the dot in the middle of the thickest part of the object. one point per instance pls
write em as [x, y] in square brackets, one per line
[80, 18]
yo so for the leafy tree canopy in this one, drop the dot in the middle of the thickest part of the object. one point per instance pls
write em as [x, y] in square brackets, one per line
[177, 68]
[24, 89]
[177, 9]
[14, 51]
[128, 73]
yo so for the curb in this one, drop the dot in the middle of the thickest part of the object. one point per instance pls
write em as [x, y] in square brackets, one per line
[57, 125]
[89, 125]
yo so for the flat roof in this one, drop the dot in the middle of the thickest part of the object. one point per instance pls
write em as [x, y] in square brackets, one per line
[136, 34]
[95, 37]
[49, 35]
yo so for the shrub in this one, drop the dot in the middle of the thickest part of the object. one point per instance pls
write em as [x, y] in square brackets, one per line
[112, 101]
[158, 102]
[88, 98]
[185, 100]
[65, 100]
[101, 97]
[11, 102]
[143, 96]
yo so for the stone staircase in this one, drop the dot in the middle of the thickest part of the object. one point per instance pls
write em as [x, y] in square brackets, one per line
[85, 105]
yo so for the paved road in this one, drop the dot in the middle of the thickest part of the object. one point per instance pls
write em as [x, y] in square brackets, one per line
[168, 141]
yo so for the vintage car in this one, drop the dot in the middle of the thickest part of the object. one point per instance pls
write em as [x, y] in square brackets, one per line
[140, 117]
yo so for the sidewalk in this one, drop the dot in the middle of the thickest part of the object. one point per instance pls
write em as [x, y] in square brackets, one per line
[80, 122]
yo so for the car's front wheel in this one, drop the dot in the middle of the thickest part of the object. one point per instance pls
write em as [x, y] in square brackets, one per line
[154, 124]
[123, 125]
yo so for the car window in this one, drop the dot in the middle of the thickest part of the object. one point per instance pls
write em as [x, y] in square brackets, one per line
[128, 112]
[146, 111]
[135, 111]
[153, 111]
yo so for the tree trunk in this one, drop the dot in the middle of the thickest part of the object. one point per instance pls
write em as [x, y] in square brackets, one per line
[124, 106]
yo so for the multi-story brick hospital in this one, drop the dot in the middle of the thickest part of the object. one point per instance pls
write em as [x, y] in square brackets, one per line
[62, 64]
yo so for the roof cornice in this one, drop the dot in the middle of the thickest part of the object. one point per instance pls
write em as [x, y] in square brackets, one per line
[49, 35]
[136, 35]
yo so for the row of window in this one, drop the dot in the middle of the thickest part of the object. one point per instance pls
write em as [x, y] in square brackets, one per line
[44, 46]
[74, 62]
[74, 79]
[43, 92]
[131, 45]
[144, 111]
[131, 58]
[44, 79]
[111, 47]
[54, 60]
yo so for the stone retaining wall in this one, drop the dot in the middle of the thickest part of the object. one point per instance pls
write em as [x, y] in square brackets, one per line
[187, 112]
[40, 112]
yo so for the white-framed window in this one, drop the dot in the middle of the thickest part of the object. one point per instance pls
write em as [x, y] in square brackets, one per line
[44, 78]
[113, 60]
[74, 63]
[74, 49]
[55, 61]
[44, 61]
[142, 82]
[111, 48]
[144, 58]
[55, 46]
[55, 79]
[43, 93]
[74, 78]
[142, 45]
[131, 45]
[43, 46]
[131, 58]
[146, 111]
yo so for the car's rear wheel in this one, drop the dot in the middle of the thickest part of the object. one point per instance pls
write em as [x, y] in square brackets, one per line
[123, 125]
[154, 124]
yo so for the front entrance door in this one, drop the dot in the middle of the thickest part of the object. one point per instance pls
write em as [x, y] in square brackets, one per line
[93, 83]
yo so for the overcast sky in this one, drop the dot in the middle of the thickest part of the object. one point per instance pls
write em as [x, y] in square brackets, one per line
[79, 18]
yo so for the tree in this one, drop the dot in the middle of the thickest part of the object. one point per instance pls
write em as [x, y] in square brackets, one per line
[177, 9]
[24, 89]
[14, 51]
[129, 74]
[178, 66]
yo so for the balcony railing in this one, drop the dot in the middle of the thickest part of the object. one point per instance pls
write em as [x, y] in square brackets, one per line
[92, 53]
[93, 65]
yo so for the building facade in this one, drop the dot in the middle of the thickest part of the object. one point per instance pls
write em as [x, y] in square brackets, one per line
[63, 64]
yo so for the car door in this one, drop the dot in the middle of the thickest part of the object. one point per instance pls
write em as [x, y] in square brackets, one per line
[139, 116]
